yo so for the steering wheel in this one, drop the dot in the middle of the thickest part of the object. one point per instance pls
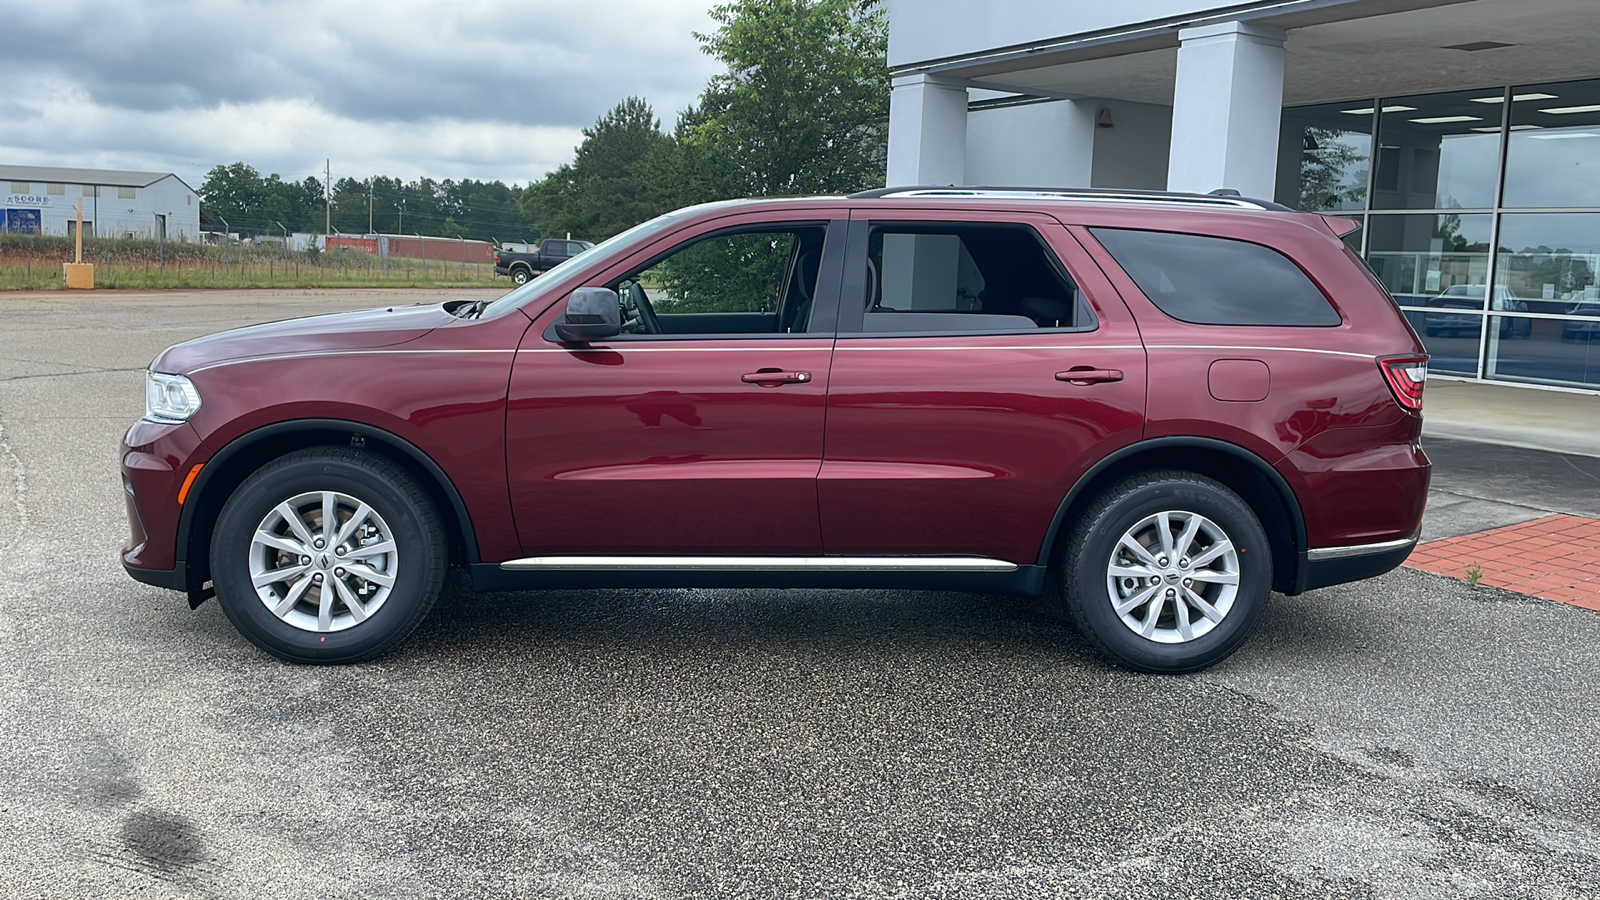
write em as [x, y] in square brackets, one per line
[648, 323]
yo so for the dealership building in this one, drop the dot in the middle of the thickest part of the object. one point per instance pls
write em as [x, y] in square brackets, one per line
[1464, 135]
[44, 200]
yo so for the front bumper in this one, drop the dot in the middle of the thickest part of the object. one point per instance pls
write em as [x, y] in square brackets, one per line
[156, 460]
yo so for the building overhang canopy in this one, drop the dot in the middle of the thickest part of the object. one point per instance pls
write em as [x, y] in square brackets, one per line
[1335, 51]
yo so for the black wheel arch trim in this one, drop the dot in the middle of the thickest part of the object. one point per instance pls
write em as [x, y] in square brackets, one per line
[469, 539]
[1273, 477]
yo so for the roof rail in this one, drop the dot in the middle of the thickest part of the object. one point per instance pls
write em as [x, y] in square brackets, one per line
[1224, 197]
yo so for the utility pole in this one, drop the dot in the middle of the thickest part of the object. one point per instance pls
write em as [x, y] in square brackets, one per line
[327, 192]
[369, 206]
[400, 228]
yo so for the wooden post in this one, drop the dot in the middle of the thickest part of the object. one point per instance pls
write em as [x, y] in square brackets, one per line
[80, 276]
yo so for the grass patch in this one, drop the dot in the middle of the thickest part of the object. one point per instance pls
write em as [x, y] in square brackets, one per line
[34, 263]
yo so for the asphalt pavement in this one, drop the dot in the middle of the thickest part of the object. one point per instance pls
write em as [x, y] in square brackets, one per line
[1405, 737]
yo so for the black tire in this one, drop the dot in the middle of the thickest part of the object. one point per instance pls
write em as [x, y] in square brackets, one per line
[521, 276]
[1079, 591]
[400, 504]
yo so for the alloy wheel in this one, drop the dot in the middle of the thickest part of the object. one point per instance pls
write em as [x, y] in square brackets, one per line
[323, 561]
[1173, 576]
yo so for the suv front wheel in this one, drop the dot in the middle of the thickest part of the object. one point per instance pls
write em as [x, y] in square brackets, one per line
[1166, 571]
[328, 555]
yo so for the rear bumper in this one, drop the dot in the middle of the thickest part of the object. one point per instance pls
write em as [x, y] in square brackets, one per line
[171, 579]
[1338, 565]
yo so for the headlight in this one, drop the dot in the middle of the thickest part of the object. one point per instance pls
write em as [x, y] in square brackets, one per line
[169, 399]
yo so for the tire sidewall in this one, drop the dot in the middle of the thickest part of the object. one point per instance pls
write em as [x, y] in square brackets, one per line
[1093, 555]
[409, 599]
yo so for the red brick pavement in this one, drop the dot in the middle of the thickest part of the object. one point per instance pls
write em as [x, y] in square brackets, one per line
[1556, 558]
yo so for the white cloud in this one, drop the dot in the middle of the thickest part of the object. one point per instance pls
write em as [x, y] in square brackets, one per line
[405, 88]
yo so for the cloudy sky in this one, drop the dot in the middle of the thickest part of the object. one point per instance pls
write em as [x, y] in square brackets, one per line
[486, 89]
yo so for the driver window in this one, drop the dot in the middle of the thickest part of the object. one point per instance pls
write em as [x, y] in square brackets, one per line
[743, 282]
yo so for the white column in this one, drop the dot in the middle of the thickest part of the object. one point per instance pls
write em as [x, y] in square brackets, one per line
[1226, 109]
[927, 132]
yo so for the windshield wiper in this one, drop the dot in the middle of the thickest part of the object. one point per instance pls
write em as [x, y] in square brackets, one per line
[472, 310]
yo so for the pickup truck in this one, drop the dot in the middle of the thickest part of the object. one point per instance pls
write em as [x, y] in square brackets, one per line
[521, 267]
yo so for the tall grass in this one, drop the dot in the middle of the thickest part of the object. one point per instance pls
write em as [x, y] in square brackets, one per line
[29, 262]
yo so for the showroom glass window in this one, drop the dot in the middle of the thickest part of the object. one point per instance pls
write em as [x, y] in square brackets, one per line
[1482, 215]
[1440, 151]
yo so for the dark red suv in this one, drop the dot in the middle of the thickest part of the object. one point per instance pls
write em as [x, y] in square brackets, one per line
[1150, 409]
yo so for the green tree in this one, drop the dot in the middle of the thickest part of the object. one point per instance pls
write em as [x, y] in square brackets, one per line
[803, 107]
[234, 193]
[611, 183]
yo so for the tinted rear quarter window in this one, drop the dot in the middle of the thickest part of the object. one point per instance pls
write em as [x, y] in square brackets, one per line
[1217, 281]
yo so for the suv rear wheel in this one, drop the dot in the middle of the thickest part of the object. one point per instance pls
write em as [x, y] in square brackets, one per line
[328, 555]
[1166, 571]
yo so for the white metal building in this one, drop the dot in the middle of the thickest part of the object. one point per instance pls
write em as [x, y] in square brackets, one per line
[1464, 134]
[44, 200]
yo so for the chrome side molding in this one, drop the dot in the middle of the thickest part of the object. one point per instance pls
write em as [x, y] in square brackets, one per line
[763, 563]
[1328, 553]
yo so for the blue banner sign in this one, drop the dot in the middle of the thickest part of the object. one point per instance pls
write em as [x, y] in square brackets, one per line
[20, 221]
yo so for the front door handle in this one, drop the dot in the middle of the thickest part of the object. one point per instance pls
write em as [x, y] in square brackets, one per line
[1089, 375]
[774, 377]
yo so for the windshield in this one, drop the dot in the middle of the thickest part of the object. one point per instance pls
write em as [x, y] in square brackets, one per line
[617, 245]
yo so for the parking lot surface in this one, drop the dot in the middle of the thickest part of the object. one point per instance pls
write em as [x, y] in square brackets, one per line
[1405, 737]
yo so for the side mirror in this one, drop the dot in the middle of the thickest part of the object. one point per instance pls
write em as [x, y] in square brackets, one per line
[592, 314]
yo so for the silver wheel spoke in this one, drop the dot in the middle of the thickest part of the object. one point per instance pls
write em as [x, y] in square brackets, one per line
[276, 575]
[295, 523]
[325, 606]
[1164, 528]
[330, 515]
[1131, 571]
[1199, 602]
[291, 598]
[1212, 576]
[370, 551]
[368, 573]
[279, 542]
[1212, 552]
[1148, 626]
[1137, 600]
[349, 528]
[1137, 549]
[1186, 539]
[1185, 628]
[350, 601]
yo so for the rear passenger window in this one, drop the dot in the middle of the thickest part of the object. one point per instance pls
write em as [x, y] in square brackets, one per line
[974, 278]
[1217, 281]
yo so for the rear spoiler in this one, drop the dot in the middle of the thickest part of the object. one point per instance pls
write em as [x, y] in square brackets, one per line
[1340, 226]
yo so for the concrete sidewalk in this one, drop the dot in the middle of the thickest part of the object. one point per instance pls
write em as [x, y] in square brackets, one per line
[1515, 497]
[1558, 421]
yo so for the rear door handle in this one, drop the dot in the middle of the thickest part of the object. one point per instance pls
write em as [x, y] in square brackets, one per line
[1088, 375]
[773, 377]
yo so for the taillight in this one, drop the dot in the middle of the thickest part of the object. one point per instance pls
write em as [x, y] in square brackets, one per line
[1406, 376]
